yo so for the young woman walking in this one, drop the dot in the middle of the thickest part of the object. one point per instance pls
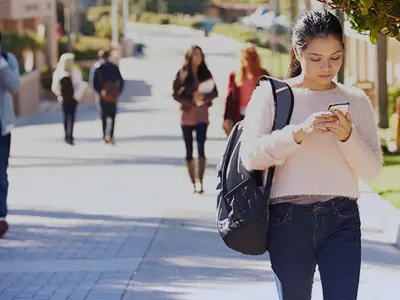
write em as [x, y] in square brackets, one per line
[194, 108]
[319, 157]
[241, 86]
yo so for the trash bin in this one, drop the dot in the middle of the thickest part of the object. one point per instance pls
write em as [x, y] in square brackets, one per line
[139, 49]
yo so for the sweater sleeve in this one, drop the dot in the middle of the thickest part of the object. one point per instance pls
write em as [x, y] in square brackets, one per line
[178, 96]
[260, 147]
[363, 150]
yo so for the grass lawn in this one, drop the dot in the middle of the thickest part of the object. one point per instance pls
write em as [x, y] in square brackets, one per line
[276, 63]
[388, 183]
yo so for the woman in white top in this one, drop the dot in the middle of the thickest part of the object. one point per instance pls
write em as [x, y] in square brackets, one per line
[69, 87]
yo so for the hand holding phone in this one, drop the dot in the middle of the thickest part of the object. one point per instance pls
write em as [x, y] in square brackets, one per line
[343, 127]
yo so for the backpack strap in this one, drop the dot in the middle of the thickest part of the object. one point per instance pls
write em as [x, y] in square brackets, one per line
[284, 102]
[226, 156]
[4, 54]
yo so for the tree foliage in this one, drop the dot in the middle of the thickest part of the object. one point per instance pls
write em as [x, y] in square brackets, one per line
[371, 16]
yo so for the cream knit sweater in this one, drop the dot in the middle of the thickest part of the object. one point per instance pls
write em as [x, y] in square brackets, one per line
[320, 165]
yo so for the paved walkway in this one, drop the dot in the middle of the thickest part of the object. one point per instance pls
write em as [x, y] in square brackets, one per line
[101, 222]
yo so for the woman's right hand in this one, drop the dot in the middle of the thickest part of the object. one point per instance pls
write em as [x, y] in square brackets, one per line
[316, 122]
[227, 124]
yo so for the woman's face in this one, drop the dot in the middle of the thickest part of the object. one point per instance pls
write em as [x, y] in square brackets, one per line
[197, 57]
[245, 59]
[321, 60]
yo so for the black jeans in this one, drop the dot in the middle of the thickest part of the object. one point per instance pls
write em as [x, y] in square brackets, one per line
[5, 145]
[69, 110]
[201, 137]
[325, 233]
[108, 113]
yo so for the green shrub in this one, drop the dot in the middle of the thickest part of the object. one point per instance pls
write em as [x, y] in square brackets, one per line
[237, 31]
[87, 26]
[84, 71]
[46, 78]
[165, 21]
[175, 19]
[393, 94]
[15, 44]
[87, 48]
[103, 27]
[94, 13]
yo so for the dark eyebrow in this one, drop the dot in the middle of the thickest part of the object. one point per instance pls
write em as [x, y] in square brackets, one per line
[321, 55]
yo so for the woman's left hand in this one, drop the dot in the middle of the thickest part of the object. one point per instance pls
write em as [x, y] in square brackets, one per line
[198, 97]
[342, 128]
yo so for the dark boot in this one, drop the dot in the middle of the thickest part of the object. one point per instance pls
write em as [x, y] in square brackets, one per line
[202, 168]
[191, 166]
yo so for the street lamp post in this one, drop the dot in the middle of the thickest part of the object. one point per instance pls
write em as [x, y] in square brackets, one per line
[126, 15]
[67, 21]
[114, 23]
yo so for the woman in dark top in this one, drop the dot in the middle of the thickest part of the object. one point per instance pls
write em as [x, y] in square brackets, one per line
[194, 108]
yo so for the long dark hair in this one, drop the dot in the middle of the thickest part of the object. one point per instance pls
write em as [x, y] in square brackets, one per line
[203, 73]
[313, 24]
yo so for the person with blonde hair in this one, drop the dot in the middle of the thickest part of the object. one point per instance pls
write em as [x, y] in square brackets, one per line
[69, 87]
[241, 85]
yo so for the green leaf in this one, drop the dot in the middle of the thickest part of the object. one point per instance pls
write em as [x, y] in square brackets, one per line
[367, 3]
[381, 22]
[373, 36]
[385, 30]
[364, 11]
[383, 7]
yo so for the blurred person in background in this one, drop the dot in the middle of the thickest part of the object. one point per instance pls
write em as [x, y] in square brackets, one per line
[91, 78]
[194, 102]
[9, 84]
[69, 87]
[241, 85]
[108, 83]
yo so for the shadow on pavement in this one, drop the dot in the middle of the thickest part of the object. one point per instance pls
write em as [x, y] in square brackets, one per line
[152, 138]
[135, 91]
[135, 88]
[56, 162]
[173, 253]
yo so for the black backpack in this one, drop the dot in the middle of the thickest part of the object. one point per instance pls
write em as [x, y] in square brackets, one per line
[242, 202]
[67, 89]
[4, 54]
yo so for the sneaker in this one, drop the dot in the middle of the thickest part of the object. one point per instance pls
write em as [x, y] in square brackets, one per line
[110, 141]
[3, 228]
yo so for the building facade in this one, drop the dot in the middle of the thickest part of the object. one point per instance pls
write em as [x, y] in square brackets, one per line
[40, 17]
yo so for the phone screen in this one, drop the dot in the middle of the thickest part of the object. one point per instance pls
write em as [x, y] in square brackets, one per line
[343, 107]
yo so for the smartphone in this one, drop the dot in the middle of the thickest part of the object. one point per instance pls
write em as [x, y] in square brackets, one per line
[342, 106]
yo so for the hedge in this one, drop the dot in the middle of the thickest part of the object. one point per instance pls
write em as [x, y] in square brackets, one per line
[86, 48]
[15, 44]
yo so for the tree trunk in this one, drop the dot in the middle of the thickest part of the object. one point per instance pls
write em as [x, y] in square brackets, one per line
[67, 20]
[114, 23]
[381, 87]
[294, 9]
